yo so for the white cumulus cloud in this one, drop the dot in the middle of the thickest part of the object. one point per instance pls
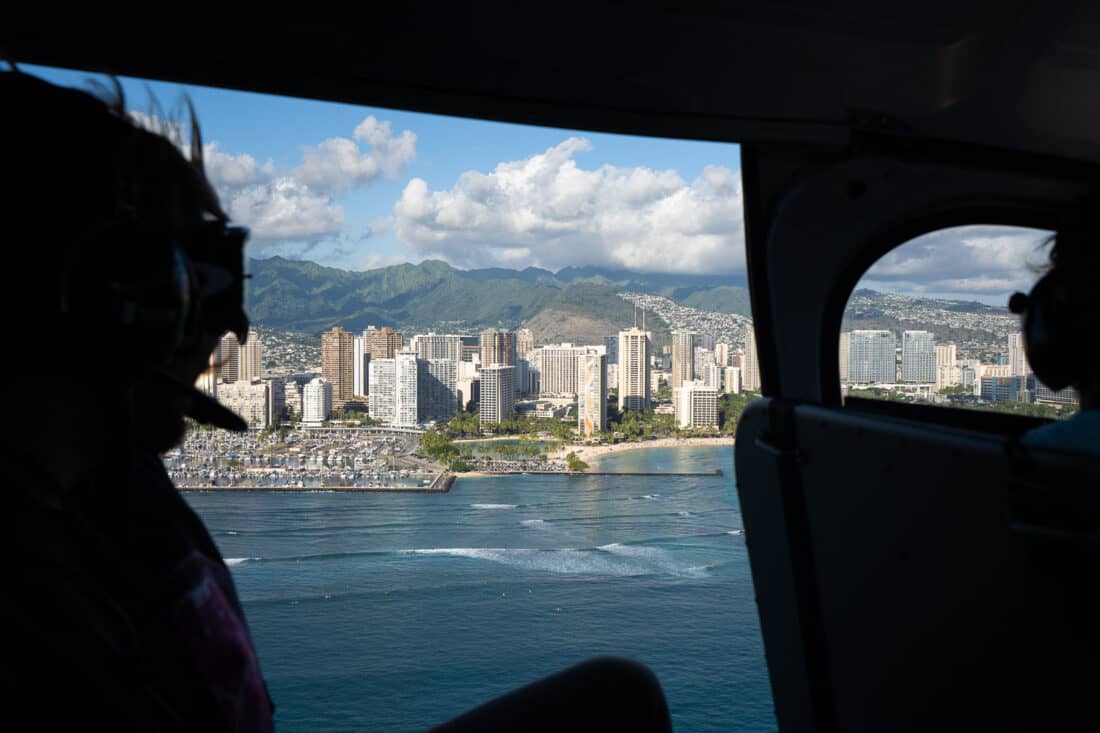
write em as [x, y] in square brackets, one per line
[972, 260]
[227, 171]
[338, 164]
[300, 205]
[284, 209]
[548, 211]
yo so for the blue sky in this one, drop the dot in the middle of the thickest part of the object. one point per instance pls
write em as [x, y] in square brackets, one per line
[278, 128]
[357, 187]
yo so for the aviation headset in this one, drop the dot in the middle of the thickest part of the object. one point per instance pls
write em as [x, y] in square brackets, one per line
[149, 297]
[145, 291]
[1052, 348]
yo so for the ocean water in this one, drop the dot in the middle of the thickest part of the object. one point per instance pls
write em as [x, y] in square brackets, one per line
[395, 612]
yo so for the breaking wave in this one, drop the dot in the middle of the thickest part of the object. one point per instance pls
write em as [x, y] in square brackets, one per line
[608, 560]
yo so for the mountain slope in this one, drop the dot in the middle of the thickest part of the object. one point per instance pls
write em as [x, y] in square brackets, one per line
[722, 299]
[304, 296]
[585, 312]
[307, 297]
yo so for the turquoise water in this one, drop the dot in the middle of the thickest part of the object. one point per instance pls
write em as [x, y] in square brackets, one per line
[394, 612]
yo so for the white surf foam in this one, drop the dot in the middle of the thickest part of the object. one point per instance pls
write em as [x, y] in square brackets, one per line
[610, 560]
[736, 532]
[239, 560]
[532, 522]
[493, 506]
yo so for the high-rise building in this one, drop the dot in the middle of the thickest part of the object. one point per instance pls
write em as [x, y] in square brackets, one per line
[498, 394]
[697, 405]
[657, 379]
[948, 371]
[438, 389]
[498, 347]
[844, 358]
[918, 357]
[592, 393]
[406, 409]
[230, 350]
[382, 403]
[249, 399]
[251, 357]
[316, 401]
[711, 375]
[385, 342]
[702, 358]
[722, 354]
[948, 376]
[361, 366]
[1045, 394]
[293, 399]
[1012, 389]
[871, 357]
[437, 346]
[611, 343]
[634, 387]
[523, 377]
[946, 355]
[683, 357]
[968, 377]
[469, 392]
[750, 365]
[1017, 357]
[525, 343]
[468, 369]
[558, 369]
[338, 365]
[276, 399]
[731, 380]
[534, 378]
[994, 370]
[471, 348]
[207, 383]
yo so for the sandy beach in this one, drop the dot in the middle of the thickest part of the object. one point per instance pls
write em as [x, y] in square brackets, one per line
[589, 452]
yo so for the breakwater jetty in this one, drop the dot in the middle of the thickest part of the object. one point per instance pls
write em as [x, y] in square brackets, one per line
[481, 474]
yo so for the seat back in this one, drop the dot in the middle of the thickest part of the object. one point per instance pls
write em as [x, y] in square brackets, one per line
[919, 577]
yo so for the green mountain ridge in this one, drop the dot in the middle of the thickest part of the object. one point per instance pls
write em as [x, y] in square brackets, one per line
[304, 296]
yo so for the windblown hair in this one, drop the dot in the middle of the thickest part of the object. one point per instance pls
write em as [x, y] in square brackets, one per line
[166, 126]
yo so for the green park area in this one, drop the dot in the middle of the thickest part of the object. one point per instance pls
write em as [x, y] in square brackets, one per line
[460, 441]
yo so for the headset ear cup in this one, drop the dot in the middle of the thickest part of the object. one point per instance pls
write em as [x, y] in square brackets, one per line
[135, 294]
[1047, 336]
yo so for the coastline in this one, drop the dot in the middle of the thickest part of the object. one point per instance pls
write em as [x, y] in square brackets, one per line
[594, 452]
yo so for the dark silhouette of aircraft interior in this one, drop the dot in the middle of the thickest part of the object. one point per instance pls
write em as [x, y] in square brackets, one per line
[915, 567]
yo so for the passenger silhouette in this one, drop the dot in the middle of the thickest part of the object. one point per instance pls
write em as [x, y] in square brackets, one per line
[1059, 320]
[119, 609]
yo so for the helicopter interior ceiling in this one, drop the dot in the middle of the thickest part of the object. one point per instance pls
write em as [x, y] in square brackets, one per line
[1013, 75]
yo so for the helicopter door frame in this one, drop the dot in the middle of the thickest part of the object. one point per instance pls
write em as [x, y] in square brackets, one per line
[816, 219]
